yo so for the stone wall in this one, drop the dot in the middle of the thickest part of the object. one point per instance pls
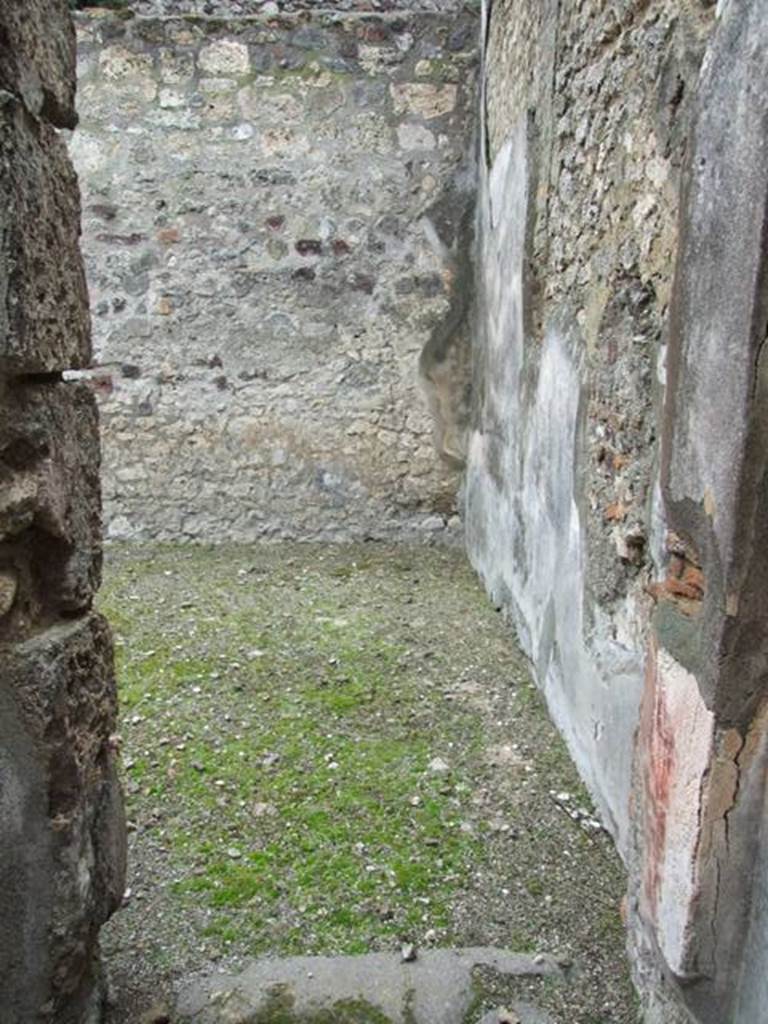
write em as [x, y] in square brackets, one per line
[616, 482]
[61, 825]
[239, 8]
[277, 229]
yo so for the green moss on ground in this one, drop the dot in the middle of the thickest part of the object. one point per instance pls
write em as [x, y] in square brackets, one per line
[299, 804]
[283, 710]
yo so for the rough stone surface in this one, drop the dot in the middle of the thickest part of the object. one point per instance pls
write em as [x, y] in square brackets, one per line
[435, 987]
[43, 299]
[50, 528]
[64, 790]
[61, 821]
[278, 218]
[37, 58]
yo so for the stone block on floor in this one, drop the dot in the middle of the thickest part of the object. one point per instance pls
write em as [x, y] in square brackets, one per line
[436, 986]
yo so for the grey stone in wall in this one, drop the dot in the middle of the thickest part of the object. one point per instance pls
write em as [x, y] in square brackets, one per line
[62, 856]
[277, 224]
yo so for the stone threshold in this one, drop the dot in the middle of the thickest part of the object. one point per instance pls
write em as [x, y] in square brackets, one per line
[437, 986]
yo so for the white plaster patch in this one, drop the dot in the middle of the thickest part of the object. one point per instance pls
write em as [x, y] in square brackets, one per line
[171, 99]
[523, 523]
[119, 528]
[241, 132]
[88, 153]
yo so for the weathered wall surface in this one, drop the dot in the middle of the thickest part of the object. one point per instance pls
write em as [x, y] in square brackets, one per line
[714, 484]
[277, 222]
[616, 477]
[61, 824]
[238, 8]
[585, 135]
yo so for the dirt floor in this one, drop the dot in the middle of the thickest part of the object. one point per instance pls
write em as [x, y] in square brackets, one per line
[339, 750]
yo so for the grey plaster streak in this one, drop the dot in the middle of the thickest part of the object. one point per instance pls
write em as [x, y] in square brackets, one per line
[523, 515]
[715, 395]
[714, 464]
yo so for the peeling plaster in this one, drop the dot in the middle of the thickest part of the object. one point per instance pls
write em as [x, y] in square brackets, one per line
[675, 740]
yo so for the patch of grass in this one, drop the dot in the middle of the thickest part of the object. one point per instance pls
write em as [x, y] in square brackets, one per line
[339, 749]
[535, 886]
[293, 767]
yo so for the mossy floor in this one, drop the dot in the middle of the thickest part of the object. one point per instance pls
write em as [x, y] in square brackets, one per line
[339, 749]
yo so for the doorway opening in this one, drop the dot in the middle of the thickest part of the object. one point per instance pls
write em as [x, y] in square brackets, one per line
[331, 745]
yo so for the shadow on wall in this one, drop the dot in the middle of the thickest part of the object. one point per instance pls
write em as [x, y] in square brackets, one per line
[445, 361]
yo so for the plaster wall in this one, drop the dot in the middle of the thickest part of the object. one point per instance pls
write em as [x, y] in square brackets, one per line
[584, 138]
[615, 493]
[277, 229]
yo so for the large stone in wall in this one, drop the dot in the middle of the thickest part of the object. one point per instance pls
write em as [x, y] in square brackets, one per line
[62, 854]
[37, 58]
[50, 529]
[44, 323]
